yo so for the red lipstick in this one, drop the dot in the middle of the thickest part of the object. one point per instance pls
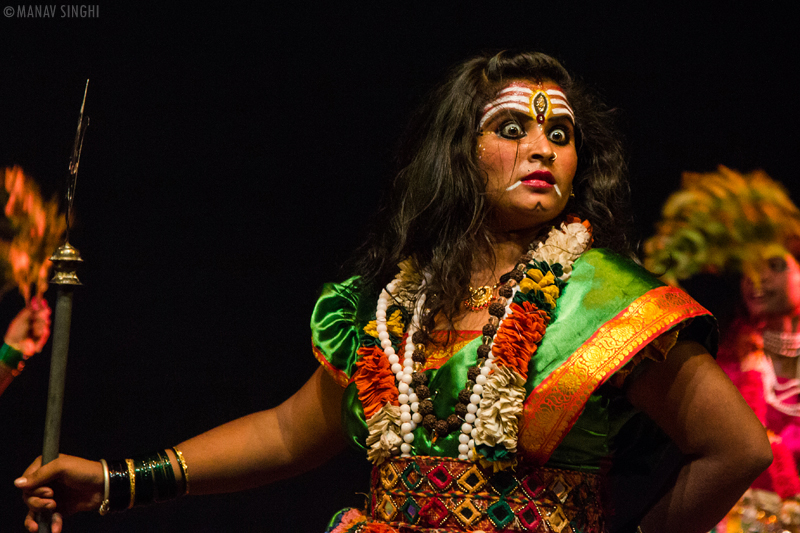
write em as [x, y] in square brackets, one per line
[539, 179]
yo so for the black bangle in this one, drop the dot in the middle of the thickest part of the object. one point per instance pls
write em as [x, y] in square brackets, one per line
[119, 493]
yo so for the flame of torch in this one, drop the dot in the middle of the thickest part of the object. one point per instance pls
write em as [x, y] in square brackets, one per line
[36, 229]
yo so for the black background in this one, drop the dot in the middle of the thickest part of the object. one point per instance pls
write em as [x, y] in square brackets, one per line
[233, 156]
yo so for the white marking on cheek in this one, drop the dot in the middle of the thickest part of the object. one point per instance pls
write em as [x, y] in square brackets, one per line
[558, 191]
[517, 184]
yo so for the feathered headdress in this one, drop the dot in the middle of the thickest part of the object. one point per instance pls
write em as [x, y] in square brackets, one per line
[722, 221]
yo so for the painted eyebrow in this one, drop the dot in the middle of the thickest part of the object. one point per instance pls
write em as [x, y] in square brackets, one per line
[508, 114]
[562, 120]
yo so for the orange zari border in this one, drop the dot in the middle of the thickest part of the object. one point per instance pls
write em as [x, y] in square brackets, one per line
[339, 376]
[552, 408]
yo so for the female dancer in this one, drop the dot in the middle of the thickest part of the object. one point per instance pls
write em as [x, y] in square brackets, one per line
[499, 372]
[757, 233]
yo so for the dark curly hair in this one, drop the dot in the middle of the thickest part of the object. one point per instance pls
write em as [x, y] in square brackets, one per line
[437, 209]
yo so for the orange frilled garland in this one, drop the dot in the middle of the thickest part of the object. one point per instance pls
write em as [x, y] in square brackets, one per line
[519, 337]
[374, 380]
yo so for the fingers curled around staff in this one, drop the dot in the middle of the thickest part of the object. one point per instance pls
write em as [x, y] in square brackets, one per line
[39, 504]
[36, 476]
[42, 492]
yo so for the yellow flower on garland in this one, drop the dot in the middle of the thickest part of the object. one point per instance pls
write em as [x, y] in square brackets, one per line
[541, 282]
[394, 325]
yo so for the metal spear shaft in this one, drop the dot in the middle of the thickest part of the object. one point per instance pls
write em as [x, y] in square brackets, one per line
[65, 262]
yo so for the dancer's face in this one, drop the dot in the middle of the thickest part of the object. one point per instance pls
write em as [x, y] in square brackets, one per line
[779, 290]
[529, 156]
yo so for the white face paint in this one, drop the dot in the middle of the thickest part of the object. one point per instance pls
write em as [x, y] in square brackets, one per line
[518, 183]
[540, 104]
[526, 147]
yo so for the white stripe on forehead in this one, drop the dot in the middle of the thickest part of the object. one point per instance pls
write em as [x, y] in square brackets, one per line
[555, 92]
[516, 89]
[519, 98]
[559, 101]
[561, 111]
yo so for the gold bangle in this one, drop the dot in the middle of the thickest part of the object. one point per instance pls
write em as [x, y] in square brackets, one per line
[184, 469]
[132, 476]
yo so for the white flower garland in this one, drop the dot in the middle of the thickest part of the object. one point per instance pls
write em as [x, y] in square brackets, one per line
[499, 410]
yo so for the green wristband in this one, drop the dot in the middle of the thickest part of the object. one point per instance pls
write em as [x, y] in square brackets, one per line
[11, 357]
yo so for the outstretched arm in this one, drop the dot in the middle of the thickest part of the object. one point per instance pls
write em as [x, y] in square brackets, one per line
[696, 404]
[301, 433]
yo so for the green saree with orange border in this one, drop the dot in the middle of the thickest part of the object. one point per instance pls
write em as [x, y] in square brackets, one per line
[575, 418]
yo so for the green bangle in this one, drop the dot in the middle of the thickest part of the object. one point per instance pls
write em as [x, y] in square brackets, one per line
[155, 480]
[162, 490]
[11, 357]
[145, 487]
[170, 488]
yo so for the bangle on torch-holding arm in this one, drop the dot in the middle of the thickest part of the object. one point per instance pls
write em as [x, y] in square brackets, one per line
[12, 358]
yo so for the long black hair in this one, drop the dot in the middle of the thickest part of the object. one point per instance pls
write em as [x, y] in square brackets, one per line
[436, 211]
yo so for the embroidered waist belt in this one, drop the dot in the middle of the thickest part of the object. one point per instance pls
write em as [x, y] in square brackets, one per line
[438, 494]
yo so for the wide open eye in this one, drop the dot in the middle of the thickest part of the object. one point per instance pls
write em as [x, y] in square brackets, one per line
[559, 135]
[511, 130]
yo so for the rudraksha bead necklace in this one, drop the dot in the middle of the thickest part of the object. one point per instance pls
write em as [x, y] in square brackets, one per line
[416, 405]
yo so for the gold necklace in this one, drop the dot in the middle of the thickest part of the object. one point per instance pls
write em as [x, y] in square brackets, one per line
[480, 297]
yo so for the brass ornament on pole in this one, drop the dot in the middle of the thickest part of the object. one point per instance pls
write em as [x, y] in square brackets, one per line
[65, 265]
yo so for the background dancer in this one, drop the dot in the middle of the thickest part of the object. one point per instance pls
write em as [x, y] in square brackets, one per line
[744, 228]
